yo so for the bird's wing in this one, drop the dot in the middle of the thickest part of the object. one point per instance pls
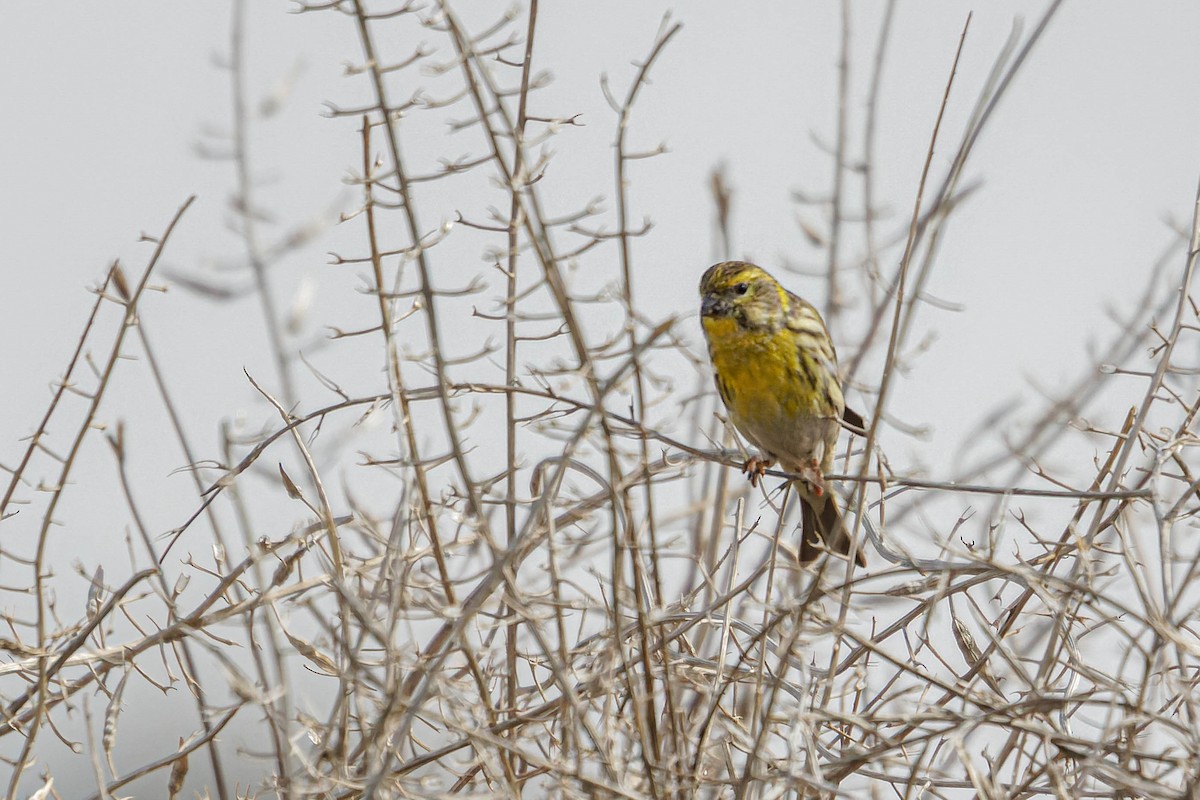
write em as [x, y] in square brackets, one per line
[805, 321]
[812, 337]
[853, 421]
[803, 317]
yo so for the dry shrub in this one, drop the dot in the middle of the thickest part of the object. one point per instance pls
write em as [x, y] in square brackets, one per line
[520, 563]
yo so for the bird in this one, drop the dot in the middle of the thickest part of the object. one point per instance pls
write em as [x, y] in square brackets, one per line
[777, 374]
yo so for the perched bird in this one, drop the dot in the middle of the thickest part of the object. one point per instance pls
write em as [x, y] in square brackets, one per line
[777, 374]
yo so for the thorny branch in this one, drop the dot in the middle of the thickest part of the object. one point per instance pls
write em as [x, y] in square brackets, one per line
[596, 608]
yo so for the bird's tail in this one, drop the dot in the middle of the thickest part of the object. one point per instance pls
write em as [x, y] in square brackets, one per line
[822, 522]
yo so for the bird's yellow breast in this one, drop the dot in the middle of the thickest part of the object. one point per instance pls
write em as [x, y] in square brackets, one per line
[757, 371]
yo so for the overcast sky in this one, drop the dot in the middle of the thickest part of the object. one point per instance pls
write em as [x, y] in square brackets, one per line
[1093, 147]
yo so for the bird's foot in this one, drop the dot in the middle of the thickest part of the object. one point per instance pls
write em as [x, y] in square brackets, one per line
[810, 473]
[755, 468]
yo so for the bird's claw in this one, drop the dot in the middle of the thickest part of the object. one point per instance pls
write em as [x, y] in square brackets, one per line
[811, 474]
[755, 468]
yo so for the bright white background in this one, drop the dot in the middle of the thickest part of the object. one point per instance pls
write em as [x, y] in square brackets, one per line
[1092, 148]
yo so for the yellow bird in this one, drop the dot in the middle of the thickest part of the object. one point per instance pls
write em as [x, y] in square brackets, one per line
[777, 374]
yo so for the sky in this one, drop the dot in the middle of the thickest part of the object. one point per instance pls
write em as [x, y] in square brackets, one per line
[1088, 154]
[1089, 159]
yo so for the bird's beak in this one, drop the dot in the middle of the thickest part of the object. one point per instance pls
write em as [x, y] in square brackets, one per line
[711, 306]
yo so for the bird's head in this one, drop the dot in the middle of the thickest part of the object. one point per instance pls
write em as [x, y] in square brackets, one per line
[741, 291]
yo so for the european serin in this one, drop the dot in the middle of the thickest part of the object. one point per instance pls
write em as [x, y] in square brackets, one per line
[777, 373]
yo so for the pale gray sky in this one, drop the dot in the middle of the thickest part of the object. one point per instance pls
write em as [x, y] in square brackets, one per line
[1093, 146]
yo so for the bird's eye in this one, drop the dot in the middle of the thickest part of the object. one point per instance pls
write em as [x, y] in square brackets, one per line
[742, 288]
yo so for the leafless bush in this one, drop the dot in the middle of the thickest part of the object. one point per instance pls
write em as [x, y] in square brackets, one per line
[520, 564]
